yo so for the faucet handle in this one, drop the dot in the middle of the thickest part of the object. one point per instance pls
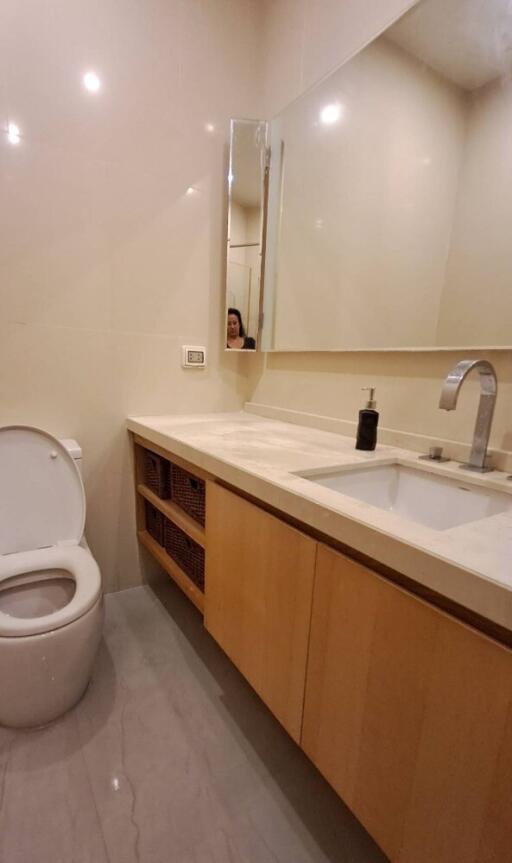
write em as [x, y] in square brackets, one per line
[435, 453]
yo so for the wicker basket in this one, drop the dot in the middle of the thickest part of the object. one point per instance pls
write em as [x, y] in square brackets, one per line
[157, 474]
[154, 522]
[188, 492]
[187, 553]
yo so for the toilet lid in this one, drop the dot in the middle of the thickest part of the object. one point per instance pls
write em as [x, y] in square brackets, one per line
[42, 499]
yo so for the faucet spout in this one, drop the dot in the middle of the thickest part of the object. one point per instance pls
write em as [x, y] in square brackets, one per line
[489, 389]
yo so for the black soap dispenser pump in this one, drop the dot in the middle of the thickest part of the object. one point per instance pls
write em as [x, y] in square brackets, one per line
[368, 422]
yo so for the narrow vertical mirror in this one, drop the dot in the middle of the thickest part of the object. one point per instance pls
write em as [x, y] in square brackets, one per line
[245, 247]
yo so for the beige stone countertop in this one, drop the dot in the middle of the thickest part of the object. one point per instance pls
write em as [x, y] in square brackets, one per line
[470, 564]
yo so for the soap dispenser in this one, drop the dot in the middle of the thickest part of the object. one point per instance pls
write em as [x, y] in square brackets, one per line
[367, 425]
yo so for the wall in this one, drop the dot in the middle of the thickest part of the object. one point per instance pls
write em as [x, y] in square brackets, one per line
[304, 40]
[479, 264]
[107, 264]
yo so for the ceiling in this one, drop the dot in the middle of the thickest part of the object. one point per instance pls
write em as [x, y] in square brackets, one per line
[467, 41]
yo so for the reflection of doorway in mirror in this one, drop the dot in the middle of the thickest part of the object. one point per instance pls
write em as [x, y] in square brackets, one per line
[244, 254]
[239, 290]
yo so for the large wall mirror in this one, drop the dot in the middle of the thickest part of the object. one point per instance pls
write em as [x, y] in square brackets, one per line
[246, 189]
[390, 197]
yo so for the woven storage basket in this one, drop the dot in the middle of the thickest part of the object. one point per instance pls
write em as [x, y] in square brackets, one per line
[157, 474]
[154, 522]
[187, 553]
[188, 492]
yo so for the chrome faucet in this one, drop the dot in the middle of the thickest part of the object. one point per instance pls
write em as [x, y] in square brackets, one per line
[489, 387]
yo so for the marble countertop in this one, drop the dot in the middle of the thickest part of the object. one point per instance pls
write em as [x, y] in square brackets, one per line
[470, 564]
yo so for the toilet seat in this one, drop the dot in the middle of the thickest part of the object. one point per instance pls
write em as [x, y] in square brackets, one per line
[74, 559]
[42, 516]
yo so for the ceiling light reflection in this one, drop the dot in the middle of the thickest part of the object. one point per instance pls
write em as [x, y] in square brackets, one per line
[330, 114]
[91, 82]
[13, 133]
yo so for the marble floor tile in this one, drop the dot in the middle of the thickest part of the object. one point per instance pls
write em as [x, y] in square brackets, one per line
[148, 782]
[47, 809]
[170, 757]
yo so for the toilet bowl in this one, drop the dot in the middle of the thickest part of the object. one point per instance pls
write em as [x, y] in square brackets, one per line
[51, 608]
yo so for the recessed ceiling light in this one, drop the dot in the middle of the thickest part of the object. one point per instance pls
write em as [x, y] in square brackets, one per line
[91, 82]
[330, 114]
[13, 133]
[210, 127]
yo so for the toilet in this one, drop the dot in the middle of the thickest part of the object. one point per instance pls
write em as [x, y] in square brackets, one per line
[51, 608]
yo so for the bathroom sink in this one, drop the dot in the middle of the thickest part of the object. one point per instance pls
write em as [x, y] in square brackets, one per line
[435, 501]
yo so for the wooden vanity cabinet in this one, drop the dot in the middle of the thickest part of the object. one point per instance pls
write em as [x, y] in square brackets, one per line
[404, 709]
[258, 594]
[408, 714]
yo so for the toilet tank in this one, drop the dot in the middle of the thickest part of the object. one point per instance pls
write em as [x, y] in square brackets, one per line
[75, 451]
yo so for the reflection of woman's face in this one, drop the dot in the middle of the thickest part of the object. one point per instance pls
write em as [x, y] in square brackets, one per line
[233, 327]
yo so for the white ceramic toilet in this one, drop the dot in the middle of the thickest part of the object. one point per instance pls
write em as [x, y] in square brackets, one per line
[51, 608]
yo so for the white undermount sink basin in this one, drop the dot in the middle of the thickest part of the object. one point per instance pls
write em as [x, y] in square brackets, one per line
[435, 501]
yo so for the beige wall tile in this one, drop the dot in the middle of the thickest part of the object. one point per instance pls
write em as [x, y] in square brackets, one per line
[283, 38]
[408, 390]
[107, 266]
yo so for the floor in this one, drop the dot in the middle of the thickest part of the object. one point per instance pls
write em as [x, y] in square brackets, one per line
[169, 758]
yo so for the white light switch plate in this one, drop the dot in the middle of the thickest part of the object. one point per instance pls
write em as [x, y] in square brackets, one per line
[193, 357]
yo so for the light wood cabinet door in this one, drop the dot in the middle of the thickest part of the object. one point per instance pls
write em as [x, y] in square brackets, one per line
[258, 593]
[408, 714]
